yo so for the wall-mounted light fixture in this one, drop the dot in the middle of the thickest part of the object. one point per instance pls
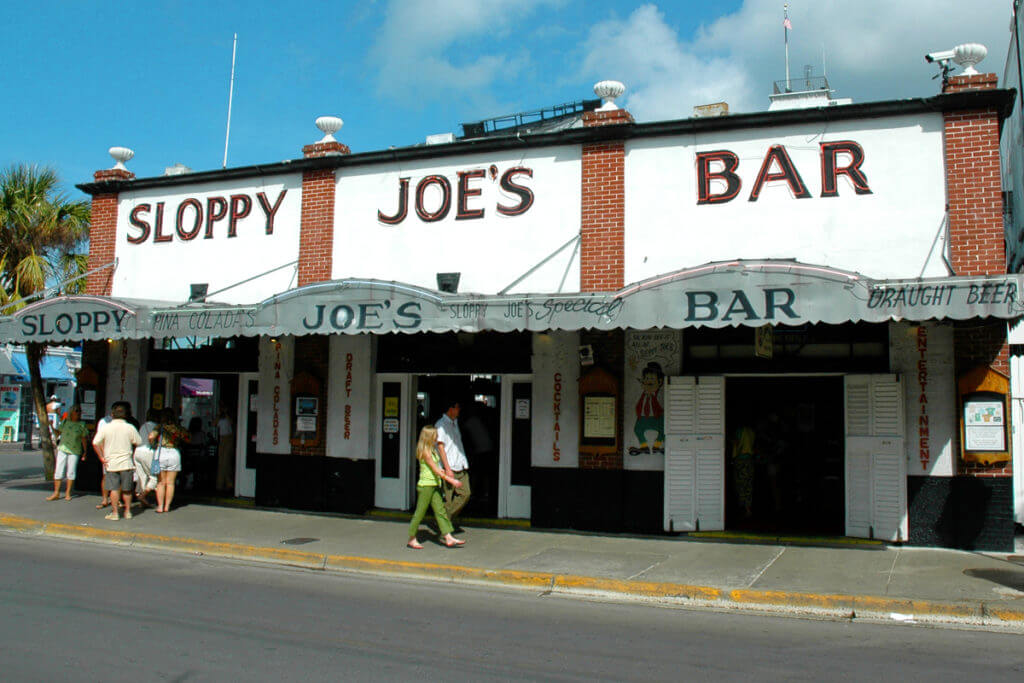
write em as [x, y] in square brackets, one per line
[198, 292]
[448, 282]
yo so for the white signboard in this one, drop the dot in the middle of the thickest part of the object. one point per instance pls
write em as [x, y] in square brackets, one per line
[491, 218]
[555, 400]
[273, 426]
[217, 234]
[830, 194]
[984, 426]
[923, 355]
[651, 356]
[124, 362]
[348, 419]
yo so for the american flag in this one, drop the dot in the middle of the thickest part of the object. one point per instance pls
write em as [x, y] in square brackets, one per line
[785, 22]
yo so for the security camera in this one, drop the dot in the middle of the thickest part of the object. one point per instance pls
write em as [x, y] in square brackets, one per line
[941, 56]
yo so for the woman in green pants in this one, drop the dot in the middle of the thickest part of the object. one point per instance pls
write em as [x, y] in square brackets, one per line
[428, 491]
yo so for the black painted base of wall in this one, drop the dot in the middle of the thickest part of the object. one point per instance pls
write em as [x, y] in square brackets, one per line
[597, 500]
[970, 513]
[304, 482]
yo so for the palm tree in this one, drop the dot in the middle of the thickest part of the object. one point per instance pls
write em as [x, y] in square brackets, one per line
[42, 233]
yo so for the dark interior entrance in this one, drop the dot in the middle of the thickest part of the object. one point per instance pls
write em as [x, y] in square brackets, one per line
[479, 398]
[793, 481]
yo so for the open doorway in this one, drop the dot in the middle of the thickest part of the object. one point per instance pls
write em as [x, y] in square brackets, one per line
[203, 400]
[479, 398]
[793, 480]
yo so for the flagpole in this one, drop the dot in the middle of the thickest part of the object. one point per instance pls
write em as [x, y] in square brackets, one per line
[231, 93]
[785, 29]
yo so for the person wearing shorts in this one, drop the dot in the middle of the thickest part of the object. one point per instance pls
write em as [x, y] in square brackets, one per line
[70, 449]
[115, 443]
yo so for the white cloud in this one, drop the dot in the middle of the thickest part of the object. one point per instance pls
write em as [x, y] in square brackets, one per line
[664, 76]
[874, 50]
[420, 50]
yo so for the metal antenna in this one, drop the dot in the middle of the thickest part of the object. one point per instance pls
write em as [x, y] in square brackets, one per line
[231, 93]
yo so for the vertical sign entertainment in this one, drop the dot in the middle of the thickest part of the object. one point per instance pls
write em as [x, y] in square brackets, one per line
[922, 402]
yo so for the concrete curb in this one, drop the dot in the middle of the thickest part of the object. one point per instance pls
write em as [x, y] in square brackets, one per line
[819, 605]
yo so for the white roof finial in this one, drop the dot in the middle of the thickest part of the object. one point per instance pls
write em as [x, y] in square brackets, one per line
[120, 155]
[967, 55]
[608, 91]
[329, 125]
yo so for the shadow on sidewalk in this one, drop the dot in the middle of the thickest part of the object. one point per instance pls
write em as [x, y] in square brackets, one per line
[1010, 578]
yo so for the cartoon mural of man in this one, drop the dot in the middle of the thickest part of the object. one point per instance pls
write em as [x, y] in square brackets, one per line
[650, 416]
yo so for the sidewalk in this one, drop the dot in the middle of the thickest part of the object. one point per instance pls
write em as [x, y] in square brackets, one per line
[869, 581]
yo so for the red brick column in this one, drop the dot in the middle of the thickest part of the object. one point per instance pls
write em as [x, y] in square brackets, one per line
[103, 233]
[316, 234]
[603, 206]
[974, 184]
[976, 236]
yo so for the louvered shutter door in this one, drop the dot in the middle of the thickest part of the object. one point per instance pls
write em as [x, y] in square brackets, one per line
[711, 453]
[876, 477]
[680, 453]
[694, 454]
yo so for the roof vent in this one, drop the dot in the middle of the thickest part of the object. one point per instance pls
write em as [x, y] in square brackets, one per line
[715, 109]
[440, 139]
[177, 169]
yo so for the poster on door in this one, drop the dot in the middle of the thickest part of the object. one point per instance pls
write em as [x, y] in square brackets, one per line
[650, 357]
[10, 411]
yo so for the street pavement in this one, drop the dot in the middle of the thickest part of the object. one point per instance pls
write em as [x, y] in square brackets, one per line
[840, 580]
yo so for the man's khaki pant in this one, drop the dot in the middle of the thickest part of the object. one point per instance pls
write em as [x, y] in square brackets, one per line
[456, 498]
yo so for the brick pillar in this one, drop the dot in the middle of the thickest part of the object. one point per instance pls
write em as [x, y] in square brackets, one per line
[603, 206]
[103, 232]
[976, 235]
[316, 234]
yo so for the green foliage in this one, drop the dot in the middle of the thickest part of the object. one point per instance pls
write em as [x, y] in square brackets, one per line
[42, 233]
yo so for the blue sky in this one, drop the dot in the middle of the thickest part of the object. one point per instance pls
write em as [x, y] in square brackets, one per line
[83, 76]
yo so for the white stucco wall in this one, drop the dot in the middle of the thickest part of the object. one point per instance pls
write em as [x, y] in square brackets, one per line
[490, 252]
[887, 234]
[165, 270]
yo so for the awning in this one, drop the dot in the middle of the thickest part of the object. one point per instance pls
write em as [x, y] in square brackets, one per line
[723, 294]
[79, 318]
[51, 368]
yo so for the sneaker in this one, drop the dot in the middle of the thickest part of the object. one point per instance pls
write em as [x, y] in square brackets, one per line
[112, 516]
[127, 514]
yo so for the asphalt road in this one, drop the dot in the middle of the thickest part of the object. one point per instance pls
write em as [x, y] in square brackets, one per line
[77, 611]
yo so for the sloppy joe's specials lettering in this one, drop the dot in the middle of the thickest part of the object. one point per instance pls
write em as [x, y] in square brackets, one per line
[434, 195]
[209, 217]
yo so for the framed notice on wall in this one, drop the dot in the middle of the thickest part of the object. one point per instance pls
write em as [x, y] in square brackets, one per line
[984, 425]
[598, 417]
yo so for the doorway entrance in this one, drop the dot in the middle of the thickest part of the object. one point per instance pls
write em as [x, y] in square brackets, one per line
[496, 427]
[794, 481]
[198, 401]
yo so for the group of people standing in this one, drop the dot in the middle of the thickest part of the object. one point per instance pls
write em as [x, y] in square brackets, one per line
[136, 459]
[443, 483]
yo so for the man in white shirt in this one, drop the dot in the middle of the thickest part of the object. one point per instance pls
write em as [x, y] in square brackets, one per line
[115, 444]
[453, 458]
